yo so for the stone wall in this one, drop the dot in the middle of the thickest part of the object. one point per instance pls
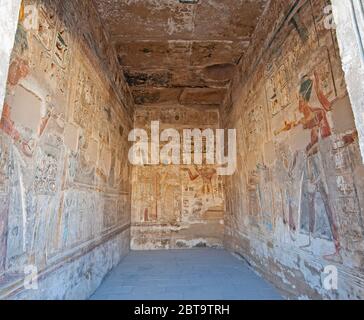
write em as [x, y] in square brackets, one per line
[9, 12]
[295, 205]
[349, 20]
[177, 206]
[64, 174]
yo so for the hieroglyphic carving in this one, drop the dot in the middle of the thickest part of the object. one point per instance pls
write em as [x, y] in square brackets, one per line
[79, 221]
[278, 87]
[255, 126]
[81, 168]
[84, 102]
[46, 29]
[50, 198]
[54, 49]
[172, 199]
[202, 192]
[110, 212]
[348, 204]
[4, 165]
[61, 51]
[312, 170]
[46, 173]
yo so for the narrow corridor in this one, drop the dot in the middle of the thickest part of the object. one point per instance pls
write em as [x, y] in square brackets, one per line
[184, 275]
[138, 136]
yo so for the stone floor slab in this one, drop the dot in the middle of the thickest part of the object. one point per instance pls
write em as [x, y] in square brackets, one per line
[200, 274]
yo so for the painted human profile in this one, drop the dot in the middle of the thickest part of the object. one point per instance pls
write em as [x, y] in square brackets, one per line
[314, 111]
[306, 88]
[315, 120]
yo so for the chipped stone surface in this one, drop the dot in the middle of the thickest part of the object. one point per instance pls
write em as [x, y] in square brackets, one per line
[168, 43]
[64, 181]
[350, 25]
[295, 204]
[202, 96]
[26, 108]
[9, 12]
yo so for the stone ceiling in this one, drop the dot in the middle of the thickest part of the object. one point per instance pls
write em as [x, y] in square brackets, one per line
[173, 52]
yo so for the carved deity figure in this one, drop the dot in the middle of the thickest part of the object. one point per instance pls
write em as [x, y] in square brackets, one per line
[314, 185]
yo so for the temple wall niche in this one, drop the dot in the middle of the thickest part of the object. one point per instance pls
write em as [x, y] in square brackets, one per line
[295, 204]
[176, 206]
[64, 174]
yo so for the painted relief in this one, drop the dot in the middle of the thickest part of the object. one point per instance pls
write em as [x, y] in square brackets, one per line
[46, 27]
[315, 119]
[289, 204]
[314, 116]
[317, 215]
[202, 192]
[3, 231]
[254, 198]
[61, 48]
[68, 196]
[255, 127]
[4, 165]
[64, 185]
[84, 103]
[303, 197]
[278, 87]
[169, 201]
[4, 199]
[45, 181]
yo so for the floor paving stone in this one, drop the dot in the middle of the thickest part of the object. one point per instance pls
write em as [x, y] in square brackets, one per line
[201, 274]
